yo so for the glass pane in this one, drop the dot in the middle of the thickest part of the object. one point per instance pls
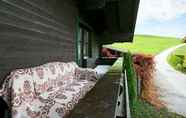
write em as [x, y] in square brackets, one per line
[86, 44]
[79, 46]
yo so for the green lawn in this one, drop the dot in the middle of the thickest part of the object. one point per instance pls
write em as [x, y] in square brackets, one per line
[142, 109]
[177, 59]
[147, 44]
[180, 51]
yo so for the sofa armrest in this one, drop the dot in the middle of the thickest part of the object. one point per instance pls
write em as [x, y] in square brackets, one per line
[86, 73]
[17, 87]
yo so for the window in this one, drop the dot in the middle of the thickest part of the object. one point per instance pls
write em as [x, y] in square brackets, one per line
[83, 45]
[86, 45]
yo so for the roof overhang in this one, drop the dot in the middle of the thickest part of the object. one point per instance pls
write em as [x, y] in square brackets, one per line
[114, 17]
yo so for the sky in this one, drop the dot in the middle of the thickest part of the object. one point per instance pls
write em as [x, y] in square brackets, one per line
[162, 18]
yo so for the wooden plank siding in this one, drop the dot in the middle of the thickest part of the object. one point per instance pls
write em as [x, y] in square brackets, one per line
[33, 32]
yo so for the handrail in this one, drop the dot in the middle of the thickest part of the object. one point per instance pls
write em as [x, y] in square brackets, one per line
[123, 105]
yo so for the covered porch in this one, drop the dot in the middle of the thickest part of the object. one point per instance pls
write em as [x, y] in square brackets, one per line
[34, 33]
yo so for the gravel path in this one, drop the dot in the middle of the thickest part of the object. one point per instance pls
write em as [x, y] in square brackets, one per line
[170, 83]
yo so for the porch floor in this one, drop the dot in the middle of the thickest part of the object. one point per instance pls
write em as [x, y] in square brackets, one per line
[102, 70]
[100, 101]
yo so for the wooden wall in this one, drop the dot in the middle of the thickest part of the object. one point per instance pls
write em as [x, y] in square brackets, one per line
[33, 32]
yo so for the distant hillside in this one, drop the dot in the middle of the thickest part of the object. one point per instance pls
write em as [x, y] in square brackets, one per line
[146, 44]
[143, 35]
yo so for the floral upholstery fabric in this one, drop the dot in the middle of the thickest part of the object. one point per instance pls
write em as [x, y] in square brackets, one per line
[47, 91]
[88, 74]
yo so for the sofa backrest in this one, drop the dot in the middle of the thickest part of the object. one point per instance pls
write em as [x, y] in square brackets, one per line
[53, 75]
[30, 82]
[46, 77]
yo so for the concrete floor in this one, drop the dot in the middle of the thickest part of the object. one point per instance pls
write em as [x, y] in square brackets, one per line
[100, 101]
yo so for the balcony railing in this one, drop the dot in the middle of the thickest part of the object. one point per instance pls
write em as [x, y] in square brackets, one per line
[128, 83]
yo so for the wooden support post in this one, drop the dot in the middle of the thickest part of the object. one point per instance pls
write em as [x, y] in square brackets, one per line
[139, 86]
[127, 104]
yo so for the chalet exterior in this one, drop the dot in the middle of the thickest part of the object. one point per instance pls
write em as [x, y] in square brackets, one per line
[34, 32]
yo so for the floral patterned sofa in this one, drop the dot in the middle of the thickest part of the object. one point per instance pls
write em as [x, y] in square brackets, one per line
[47, 91]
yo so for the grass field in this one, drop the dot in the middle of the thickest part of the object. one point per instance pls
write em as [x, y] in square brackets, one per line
[147, 44]
[142, 109]
[180, 51]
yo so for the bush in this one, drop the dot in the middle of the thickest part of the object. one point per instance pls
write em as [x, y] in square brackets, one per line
[144, 66]
[175, 60]
[179, 67]
[184, 39]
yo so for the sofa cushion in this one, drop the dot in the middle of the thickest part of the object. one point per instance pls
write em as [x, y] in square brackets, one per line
[86, 74]
[73, 92]
[55, 104]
